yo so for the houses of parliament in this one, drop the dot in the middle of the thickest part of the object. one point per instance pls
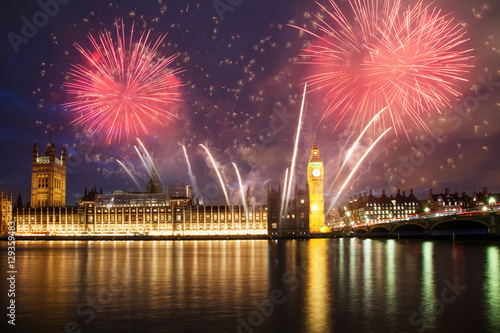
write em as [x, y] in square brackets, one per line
[172, 211]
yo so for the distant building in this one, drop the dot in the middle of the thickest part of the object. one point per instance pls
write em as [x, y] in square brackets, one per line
[368, 208]
[482, 199]
[452, 202]
[5, 212]
[333, 219]
[274, 198]
[48, 178]
[446, 201]
[179, 190]
[295, 219]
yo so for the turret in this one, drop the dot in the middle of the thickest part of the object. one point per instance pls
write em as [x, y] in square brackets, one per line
[35, 153]
[52, 151]
[19, 201]
[63, 156]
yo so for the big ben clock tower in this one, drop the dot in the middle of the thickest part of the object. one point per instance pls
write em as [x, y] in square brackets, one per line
[316, 200]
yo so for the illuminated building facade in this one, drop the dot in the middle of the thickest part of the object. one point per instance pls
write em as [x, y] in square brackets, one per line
[315, 176]
[446, 201]
[153, 214]
[369, 209]
[481, 199]
[175, 213]
[48, 178]
[5, 212]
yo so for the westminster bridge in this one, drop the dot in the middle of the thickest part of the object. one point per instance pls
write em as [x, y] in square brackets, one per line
[436, 224]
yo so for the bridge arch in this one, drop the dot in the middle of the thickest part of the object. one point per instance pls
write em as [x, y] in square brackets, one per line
[380, 230]
[461, 223]
[361, 231]
[410, 227]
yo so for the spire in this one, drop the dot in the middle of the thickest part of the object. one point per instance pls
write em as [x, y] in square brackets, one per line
[315, 151]
[35, 152]
[315, 145]
[154, 184]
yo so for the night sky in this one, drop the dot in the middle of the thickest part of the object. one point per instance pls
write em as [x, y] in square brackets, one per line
[242, 89]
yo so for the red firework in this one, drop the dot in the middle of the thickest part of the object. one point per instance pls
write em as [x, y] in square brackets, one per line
[409, 60]
[127, 86]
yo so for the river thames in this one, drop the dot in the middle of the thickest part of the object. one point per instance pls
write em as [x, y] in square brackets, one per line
[317, 285]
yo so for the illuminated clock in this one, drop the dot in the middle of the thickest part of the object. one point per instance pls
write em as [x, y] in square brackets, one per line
[316, 172]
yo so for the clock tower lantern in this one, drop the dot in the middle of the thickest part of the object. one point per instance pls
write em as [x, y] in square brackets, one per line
[315, 178]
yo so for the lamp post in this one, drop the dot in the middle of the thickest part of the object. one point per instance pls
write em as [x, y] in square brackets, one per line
[491, 202]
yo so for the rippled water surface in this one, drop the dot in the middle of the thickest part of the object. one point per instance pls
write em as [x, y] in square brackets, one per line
[318, 285]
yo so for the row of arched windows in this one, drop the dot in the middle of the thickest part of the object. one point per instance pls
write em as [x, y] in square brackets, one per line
[43, 181]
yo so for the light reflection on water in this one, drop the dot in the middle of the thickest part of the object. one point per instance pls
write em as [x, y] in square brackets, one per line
[317, 305]
[327, 285]
[492, 286]
[426, 317]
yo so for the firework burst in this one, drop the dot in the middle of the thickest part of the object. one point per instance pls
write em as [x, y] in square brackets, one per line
[127, 87]
[409, 60]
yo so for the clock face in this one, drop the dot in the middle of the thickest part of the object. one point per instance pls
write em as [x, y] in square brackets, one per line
[316, 172]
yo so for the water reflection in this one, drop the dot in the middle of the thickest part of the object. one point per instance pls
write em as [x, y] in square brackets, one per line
[492, 287]
[390, 282]
[317, 290]
[428, 298]
[367, 277]
[215, 286]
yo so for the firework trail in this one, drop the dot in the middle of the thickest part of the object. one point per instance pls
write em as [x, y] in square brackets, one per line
[127, 86]
[292, 168]
[153, 165]
[193, 180]
[242, 193]
[129, 173]
[143, 161]
[283, 199]
[218, 174]
[409, 60]
[349, 153]
[354, 170]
